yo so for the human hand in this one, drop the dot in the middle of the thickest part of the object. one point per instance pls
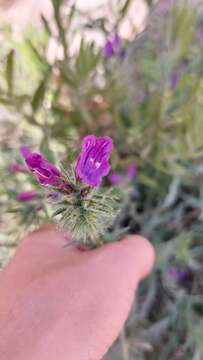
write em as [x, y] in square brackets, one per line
[61, 303]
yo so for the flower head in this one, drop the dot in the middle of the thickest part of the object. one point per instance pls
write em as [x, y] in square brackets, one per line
[114, 47]
[46, 173]
[92, 163]
[26, 196]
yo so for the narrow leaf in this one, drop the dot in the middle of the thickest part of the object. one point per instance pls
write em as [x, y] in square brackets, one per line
[10, 71]
[58, 211]
[39, 94]
[46, 25]
[125, 8]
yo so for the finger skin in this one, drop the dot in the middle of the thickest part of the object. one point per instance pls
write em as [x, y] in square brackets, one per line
[64, 303]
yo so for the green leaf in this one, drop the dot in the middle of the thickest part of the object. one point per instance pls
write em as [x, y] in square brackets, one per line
[71, 14]
[36, 57]
[125, 8]
[39, 95]
[61, 30]
[59, 211]
[46, 25]
[87, 59]
[69, 75]
[14, 210]
[56, 5]
[10, 71]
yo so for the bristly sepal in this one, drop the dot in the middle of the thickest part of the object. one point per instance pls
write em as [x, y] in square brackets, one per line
[87, 215]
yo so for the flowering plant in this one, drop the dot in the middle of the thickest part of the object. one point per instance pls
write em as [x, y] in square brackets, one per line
[81, 206]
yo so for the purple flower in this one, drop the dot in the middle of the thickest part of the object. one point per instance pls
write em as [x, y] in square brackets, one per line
[122, 53]
[131, 171]
[92, 163]
[200, 35]
[117, 178]
[108, 49]
[176, 274]
[46, 173]
[114, 47]
[26, 196]
[174, 80]
[16, 168]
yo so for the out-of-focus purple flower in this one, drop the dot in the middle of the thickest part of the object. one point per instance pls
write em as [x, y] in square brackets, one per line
[123, 53]
[174, 80]
[131, 171]
[176, 274]
[46, 173]
[114, 47]
[117, 178]
[26, 196]
[108, 49]
[92, 163]
[200, 35]
[16, 168]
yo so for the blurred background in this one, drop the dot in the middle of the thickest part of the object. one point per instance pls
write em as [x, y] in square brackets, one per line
[133, 70]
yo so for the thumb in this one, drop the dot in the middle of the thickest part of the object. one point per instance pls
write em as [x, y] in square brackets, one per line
[144, 255]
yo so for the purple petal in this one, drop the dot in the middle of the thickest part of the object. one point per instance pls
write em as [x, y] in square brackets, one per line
[114, 47]
[25, 151]
[26, 196]
[46, 173]
[116, 42]
[92, 163]
[108, 49]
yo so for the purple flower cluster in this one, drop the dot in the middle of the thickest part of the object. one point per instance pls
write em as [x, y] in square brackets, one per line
[92, 163]
[114, 47]
[45, 172]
